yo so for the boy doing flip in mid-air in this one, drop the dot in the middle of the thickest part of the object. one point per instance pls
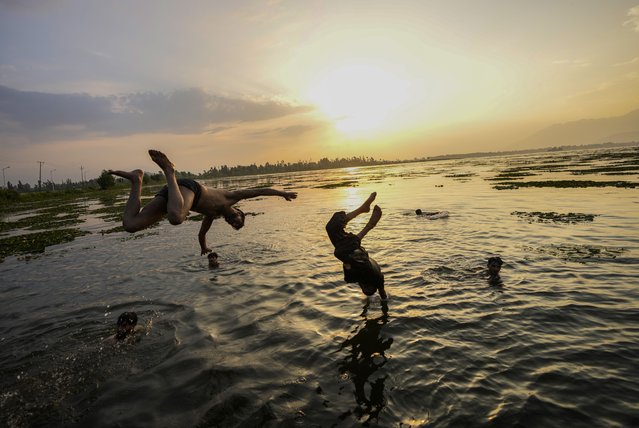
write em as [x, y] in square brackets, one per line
[358, 265]
[178, 197]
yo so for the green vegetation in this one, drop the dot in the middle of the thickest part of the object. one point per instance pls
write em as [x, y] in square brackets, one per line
[112, 230]
[110, 213]
[105, 180]
[461, 175]
[565, 184]
[579, 253]
[609, 170]
[347, 183]
[508, 175]
[548, 217]
[48, 218]
[53, 212]
[36, 242]
[9, 195]
[35, 200]
[281, 166]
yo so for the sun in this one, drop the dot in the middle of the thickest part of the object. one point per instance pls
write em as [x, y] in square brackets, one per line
[359, 98]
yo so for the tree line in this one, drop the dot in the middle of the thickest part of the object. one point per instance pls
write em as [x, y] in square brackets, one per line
[106, 180]
[281, 166]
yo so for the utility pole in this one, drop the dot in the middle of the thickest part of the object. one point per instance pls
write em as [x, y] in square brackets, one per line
[40, 176]
[82, 175]
[52, 183]
[5, 181]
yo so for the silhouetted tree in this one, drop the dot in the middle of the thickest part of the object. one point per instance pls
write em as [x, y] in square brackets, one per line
[105, 180]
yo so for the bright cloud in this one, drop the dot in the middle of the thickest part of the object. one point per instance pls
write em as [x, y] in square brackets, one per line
[633, 22]
[573, 62]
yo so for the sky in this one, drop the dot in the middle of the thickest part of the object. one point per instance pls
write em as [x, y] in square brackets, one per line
[95, 84]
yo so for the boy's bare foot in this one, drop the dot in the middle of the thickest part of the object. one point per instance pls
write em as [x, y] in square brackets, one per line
[163, 162]
[366, 206]
[377, 214]
[134, 176]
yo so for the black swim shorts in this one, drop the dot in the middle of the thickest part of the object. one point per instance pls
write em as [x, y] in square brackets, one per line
[184, 182]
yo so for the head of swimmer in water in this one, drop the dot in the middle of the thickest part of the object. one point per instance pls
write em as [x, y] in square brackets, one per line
[213, 263]
[234, 217]
[494, 265]
[126, 324]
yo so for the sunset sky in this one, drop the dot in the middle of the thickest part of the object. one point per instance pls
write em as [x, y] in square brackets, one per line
[97, 83]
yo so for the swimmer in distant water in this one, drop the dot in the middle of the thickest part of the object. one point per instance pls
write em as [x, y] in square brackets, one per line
[420, 212]
[494, 266]
[178, 197]
[213, 263]
[432, 215]
[358, 266]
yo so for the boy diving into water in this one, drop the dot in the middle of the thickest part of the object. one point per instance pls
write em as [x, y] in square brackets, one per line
[358, 265]
[178, 197]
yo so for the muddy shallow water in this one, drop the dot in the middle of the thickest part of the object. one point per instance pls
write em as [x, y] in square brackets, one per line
[274, 337]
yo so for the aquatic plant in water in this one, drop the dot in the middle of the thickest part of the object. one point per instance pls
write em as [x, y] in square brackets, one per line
[36, 242]
[549, 217]
[579, 253]
[347, 183]
[565, 184]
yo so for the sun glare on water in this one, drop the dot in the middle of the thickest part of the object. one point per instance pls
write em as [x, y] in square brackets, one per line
[359, 98]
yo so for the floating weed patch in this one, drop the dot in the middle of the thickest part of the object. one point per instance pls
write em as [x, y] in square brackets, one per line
[347, 183]
[36, 242]
[609, 170]
[461, 175]
[579, 253]
[620, 173]
[197, 217]
[514, 175]
[553, 217]
[138, 236]
[625, 155]
[565, 184]
[112, 230]
[41, 222]
[111, 213]
[48, 223]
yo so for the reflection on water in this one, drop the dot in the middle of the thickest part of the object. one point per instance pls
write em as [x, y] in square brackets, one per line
[274, 337]
[365, 357]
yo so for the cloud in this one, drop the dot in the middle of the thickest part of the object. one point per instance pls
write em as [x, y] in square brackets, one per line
[72, 116]
[633, 61]
[573, 62]
[219, 129]
[633, 22]
[288, 131]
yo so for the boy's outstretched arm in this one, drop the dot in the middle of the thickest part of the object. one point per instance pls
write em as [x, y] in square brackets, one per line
[201, 236]
[238, 195]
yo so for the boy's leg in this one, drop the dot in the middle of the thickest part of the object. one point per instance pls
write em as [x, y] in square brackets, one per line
[134, 219]
[364, 208]
[176, 209]
[372, 222]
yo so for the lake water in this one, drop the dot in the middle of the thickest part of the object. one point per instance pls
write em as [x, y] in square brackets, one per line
[274, 337]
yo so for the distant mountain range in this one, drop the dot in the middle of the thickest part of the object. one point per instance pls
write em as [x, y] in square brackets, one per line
[588, 131]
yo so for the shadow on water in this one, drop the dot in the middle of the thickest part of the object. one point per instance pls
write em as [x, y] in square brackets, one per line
[366, 349]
